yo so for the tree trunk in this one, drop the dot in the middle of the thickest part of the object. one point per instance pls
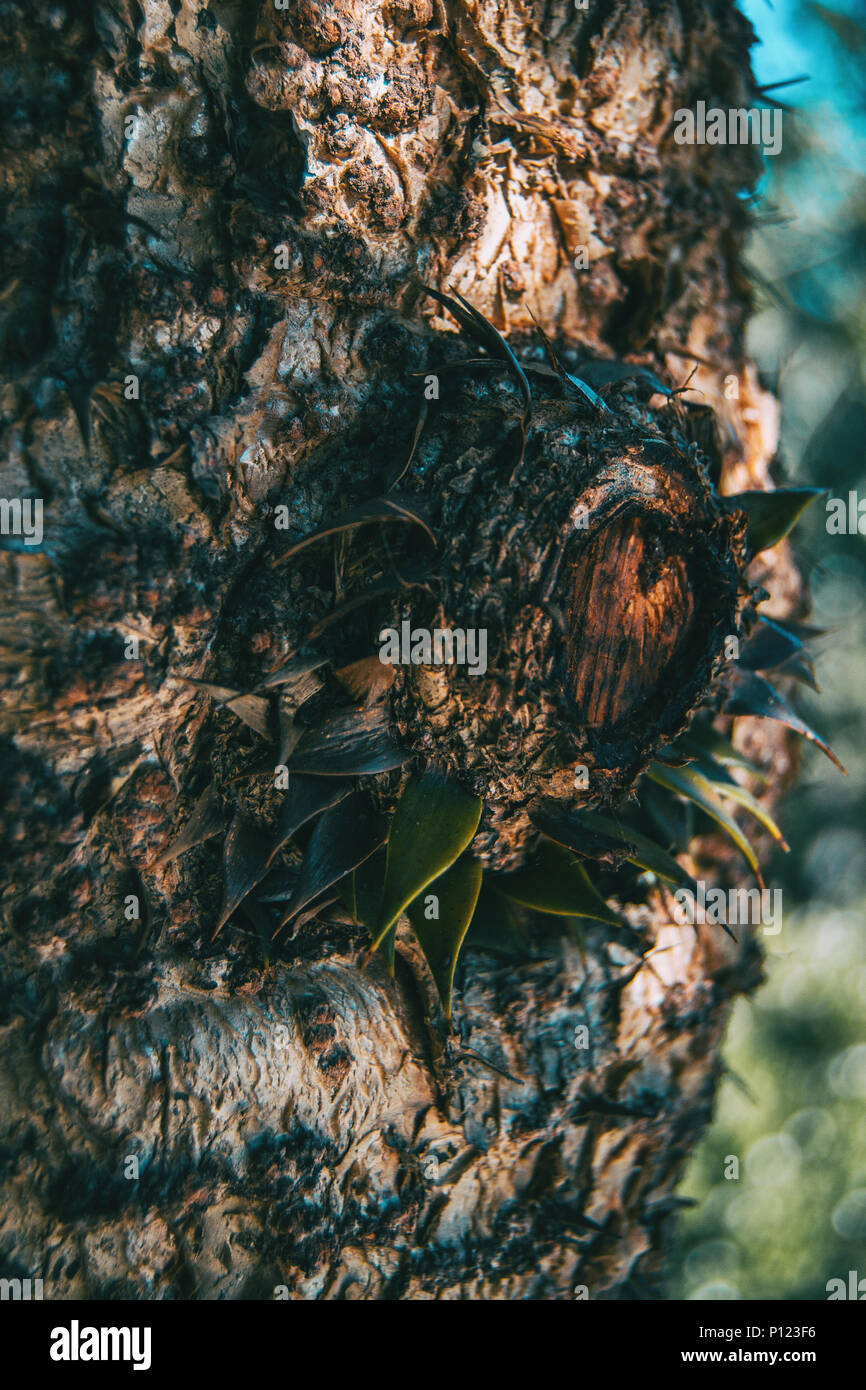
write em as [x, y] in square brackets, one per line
[219, 215]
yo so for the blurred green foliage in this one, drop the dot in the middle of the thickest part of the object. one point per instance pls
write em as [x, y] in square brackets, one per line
[793, 1108]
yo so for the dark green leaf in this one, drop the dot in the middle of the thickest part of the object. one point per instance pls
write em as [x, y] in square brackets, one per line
[346, 835]
[306, 797]
[290, 733]
[639, 849]
[493, 927]
[805, 631]
[694, 786]
[672, 817]
[262, 923]
[553, 881]
[434, 822]
[245, 863]
[800, 668]
[703, 740]
[769, 644]
[771, 515]
[726, 785]
[279, 887]
[456, 893]
[754, 695]
[362, 894]
[353, 743]
[731, 789]
[562, 825]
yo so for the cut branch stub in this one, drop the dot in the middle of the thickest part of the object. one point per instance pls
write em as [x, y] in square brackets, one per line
[631, 609]
[651, 583]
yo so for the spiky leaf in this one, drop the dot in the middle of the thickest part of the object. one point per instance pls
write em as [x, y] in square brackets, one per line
[563, 826]
[440, 939]
[638, 849]
[254, 710]
[769, 645]
[434, 822]
[292, 671]
[353, 743]
[346, 835]
[690, 783]
[703, 740]
[306, 797]
[493, 926]
[483, 331]
[553, 881]
[743, 797]
[805, 631]
[771, 515]
[600, 372]
[205, 821]
[219, 693]
[362, 894]
[726, 785]
[671, 816]
[245, 856]
[800, 668]
[564, 375]
[751, 694]
[280, 886]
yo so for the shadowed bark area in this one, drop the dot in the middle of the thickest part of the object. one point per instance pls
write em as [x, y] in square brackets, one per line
[216, 217]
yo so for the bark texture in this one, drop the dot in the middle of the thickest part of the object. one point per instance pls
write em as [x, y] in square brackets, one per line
[302, 1122]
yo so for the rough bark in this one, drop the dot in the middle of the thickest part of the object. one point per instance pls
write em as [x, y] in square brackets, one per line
[309, 1122]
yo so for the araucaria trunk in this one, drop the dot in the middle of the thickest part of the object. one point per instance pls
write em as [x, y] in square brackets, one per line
[267, 464]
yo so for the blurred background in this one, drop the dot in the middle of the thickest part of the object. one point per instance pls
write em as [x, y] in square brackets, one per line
[793, 1106]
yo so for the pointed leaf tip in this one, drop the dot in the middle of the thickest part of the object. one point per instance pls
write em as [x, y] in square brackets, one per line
[691, 784]
[751, 694]
[488, 336]
[771, 515]
[347, 834]
[638, 849]
[362, 894]
[555, 883]
[205, 821]
[306, 797]
[440, 938]
[724, 784]
[433, 824]
[769, 644]
[245, 856]
[350, 743]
